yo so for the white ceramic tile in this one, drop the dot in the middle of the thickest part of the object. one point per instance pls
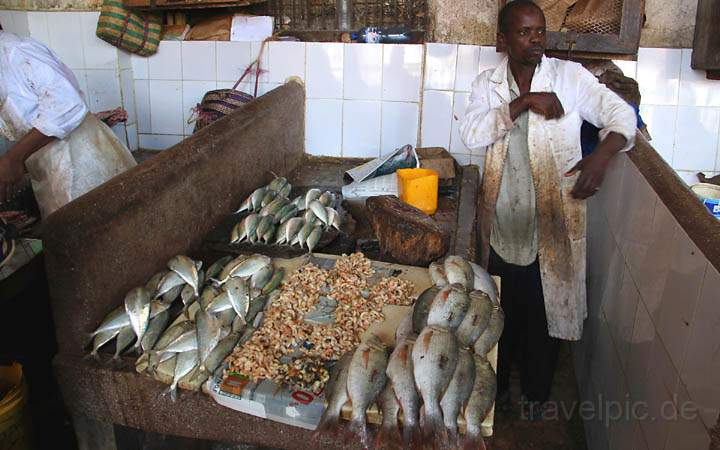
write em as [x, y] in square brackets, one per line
[436, 119]
[81, 78]
[661, 367]
[139, 67]
[142, 106]
[158, 141]
[460, 103]
[641, 345]
[489, 58]
[363, 72]
[166, 107]
[120, 133]
[629, 68]
[658, 74]
[66, 38]
[124, 59]
[198, 61]
[687, 431]
[287, 59]
[166, 64]
[696, 138]
[361, 129]
[636, 239]
[656, 426]
[462, 158]
[132, 134]
[689, 177]
[440, 65]
[38, 26]
[249, 88]
[600, 356]
[20, 23]
[128, 94]
[323, 127]
[399, 125]
[468, 67]
[702, 358]
[695, 88]
[6, 20]
[264, 56]
[103, 89]
[402, 72]
[621, 317]
[324, 70]
[660, 121]
[98, 53]
[192, 94]
[232, 60]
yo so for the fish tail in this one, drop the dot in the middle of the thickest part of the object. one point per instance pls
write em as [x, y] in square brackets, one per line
[389, 436]
[474, 443]
[358, 428]
[172, 390]
[433, 427]
[92, 355]
[412, 436]
[328, 424]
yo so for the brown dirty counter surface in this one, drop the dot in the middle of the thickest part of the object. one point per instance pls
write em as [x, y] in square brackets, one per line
[405, 232]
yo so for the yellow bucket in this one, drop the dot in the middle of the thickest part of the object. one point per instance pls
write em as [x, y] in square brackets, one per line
[419, 188]
[15, 427]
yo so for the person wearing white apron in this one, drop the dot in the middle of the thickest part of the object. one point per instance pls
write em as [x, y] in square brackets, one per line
[67, 151]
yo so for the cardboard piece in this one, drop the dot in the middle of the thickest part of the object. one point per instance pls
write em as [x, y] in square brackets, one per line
[439, 160]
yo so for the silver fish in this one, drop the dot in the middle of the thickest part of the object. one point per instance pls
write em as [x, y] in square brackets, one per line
[293, 227]
[257, 305]
[154, 283]
[309, 216]
[299, 202]
[137, 306]
[285, 190]
[184, 343]
[313, 238]
[304, 233]
[437, 274]
[124, 338]
[405, 328]
[458, 392]
[167, 282]
[217, 266]
[261, 277]
[245, 206]
[268, 198]
[218, 354]
[117, 319]
[400, 372]
[157, 306]
[226, 317]
[389, 433]
[319, 210]
[208, 334]
[484, 282]
[269, 234]
[281, 235]
[186, 268]
[422, 307]
[171, 334]
[239, 295]
[480, 402]
[277, 183]
[337, 395]
[238, 324]
[220, 303]
[263, 227]
[237, 234]
[209, 293]
[327, 198]
[449, 307]
[434, 358]
[173, 293]
[246, 335]
[274, 282]
[257, 322]
[457, 270]
[333, 218]
[155, 328]
[284, 210]
[250, 265]
[476, 318]
[366, 378]
[287, 215]
[311, 195]
[229, 268]
[274, 207]
[249, 226]
[492, 333]
[188, 296]
[101, 339]
[186, 363]
[257, 197]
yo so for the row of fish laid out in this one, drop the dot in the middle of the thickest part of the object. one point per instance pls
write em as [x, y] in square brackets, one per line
[275, 220]
[437, 372]
[233, 295]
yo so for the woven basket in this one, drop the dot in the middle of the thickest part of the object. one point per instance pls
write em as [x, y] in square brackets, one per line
[218, 104]
[126, 30]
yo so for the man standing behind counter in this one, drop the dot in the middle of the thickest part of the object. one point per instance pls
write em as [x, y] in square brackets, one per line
[528, 113]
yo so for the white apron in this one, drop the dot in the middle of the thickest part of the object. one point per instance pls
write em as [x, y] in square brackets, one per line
[65, 169]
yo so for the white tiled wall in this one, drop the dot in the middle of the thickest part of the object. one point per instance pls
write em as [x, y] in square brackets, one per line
[652, 338]
[682, 111]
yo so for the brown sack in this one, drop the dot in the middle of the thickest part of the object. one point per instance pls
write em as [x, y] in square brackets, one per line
[212, 29]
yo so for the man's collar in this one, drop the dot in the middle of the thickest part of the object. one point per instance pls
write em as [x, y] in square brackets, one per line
[542, 79]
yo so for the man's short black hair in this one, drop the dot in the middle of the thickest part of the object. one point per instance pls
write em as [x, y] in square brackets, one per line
[507, 10]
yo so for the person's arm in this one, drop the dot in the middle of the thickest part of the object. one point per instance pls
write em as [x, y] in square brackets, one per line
[12, 163]
[617, 122]
[483, 125]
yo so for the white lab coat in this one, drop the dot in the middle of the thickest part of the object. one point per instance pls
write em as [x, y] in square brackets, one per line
[38, 91]
[554, 147]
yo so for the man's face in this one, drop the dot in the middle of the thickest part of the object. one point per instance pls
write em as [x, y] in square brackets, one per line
[524, 38]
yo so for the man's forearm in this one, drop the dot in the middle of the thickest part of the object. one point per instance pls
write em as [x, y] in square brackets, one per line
[611, 145]
[33, 141]
[518, 106]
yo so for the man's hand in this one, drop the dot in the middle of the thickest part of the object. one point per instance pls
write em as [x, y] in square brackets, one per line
[11, 173]
[592, 172]
[547, 104]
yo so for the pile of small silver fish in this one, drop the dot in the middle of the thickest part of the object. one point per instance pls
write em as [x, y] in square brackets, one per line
[439, 362]
[231, 297]
[274, 219]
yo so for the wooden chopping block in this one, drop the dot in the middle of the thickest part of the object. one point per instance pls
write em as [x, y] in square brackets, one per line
[406, 233]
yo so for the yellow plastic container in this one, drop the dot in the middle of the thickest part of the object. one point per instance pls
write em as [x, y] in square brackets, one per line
[15, 429]
[419, 188]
